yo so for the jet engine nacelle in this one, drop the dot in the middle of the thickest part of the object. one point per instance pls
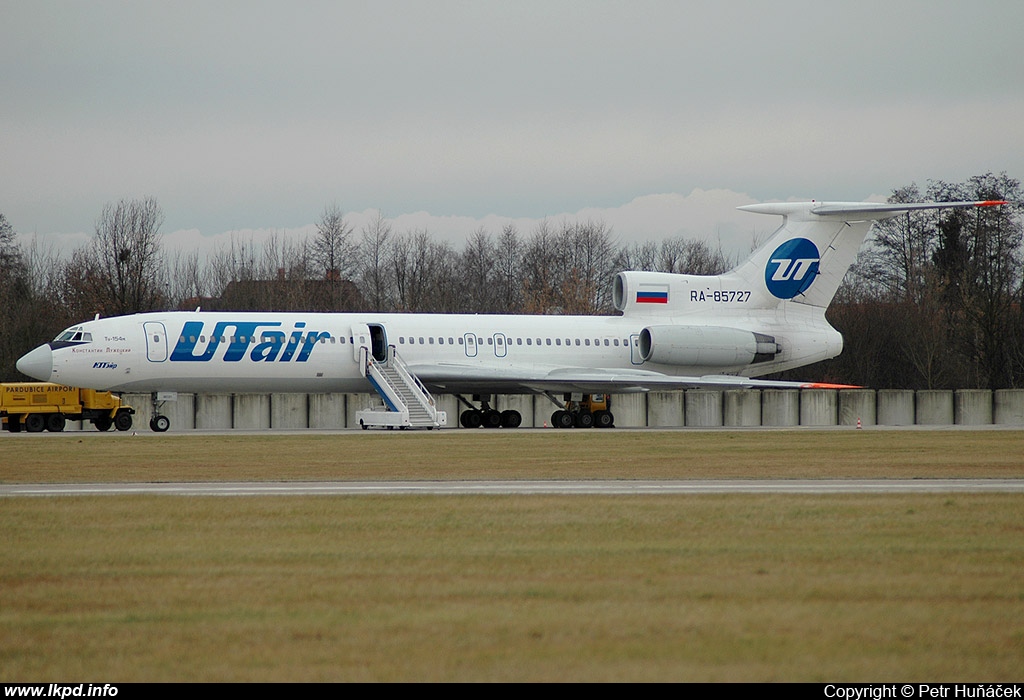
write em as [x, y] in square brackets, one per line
[705, 346]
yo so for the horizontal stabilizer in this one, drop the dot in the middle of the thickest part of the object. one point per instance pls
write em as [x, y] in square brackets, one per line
[858, 210]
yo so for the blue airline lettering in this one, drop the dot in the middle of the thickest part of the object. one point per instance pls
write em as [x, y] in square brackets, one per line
[267, 350]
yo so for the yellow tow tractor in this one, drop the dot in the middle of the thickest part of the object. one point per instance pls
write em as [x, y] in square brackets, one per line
[39, 406]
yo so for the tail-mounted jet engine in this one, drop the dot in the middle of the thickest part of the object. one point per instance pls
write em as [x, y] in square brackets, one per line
[705, 346]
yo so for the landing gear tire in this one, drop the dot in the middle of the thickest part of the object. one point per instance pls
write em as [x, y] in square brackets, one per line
[511, 419]
[492, 419]
[584, 419]
[561, 419]
[471, 419]
[604, 419]
[55, 422]
[160, 424]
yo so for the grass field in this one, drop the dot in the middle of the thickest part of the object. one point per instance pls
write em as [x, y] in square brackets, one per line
[521, 588]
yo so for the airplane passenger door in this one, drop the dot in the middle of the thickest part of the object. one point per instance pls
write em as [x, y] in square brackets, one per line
[470, 344]
[360, 341]
[156, 341]
[371, 337]
[634, 350]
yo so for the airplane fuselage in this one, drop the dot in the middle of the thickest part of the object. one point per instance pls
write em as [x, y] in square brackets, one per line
[319, 352]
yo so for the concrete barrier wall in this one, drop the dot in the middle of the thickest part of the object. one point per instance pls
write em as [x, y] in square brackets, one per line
[630, 410]
[1008, 407]
[780, 407]
[704, 408]
[857, 407]
[327, 411]
[665, 409]
[741, 408]
[289, 411]
[252, 411]
[818, 407]
[894, 407]
[698, 408]
[972, 407]
[213, 412]
[934, 407]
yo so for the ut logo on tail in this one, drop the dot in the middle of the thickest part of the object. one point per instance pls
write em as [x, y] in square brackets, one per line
[792, 268]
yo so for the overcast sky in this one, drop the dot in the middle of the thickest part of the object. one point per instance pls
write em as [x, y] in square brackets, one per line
[657, 117]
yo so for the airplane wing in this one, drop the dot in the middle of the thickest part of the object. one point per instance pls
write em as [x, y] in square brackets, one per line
[456, 378]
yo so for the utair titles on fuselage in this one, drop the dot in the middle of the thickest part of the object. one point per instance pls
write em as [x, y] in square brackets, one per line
[673, 332]
[273, 346]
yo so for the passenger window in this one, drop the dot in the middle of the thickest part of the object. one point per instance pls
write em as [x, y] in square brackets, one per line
[558, 341]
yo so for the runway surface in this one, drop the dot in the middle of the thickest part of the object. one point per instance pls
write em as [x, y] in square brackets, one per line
[490, 488]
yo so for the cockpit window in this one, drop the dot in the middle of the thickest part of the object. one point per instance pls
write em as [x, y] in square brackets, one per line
[75, 334]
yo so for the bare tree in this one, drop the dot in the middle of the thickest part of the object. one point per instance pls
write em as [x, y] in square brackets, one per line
[124, 262]
[690, 257]
[374, 268]
[588, 255]
[334, 250]
[509, 270]
[479, 260]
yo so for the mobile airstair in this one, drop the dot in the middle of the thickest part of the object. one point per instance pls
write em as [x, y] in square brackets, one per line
[407, 403]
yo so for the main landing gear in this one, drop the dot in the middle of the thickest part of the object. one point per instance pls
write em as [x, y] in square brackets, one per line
[577, 411]
[584, 411]
[485, 416]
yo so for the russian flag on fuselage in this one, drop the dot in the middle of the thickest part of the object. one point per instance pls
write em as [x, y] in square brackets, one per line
[652, 294]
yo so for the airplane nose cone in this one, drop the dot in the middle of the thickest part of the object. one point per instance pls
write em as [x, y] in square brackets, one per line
[38, 363]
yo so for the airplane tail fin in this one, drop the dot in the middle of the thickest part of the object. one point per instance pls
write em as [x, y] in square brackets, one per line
[805, 260]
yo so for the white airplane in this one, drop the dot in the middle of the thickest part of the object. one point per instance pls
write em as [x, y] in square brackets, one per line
[673, 332]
